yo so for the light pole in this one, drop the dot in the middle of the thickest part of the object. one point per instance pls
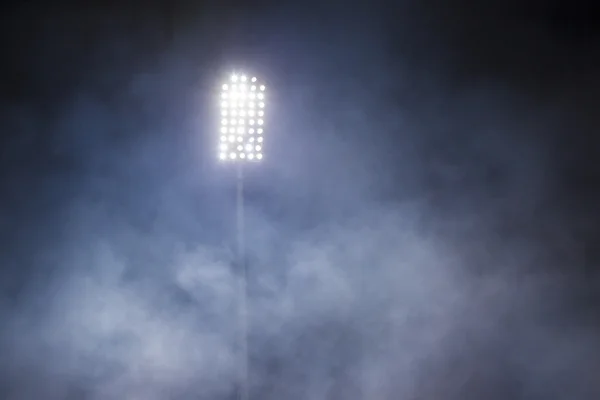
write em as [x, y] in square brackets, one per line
[240, 142]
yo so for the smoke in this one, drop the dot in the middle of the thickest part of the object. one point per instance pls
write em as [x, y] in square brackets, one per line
[404, 235]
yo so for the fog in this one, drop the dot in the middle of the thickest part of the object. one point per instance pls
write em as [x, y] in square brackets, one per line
[405, 234]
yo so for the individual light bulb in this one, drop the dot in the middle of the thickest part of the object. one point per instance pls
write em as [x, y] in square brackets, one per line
[222, 156]
[260, 139]
[243, 78]
[262, 87]
[232, 156]
[234, 78]
[261, 96]
[258, 148]
[223, 146]
[253, 79]
[223, 138]
[240, 147]
[259, 131]
[260, 121]
[259, 156]
[242, 155]
[223, 130]
[224, 121]
[240, 139]
[261, 104]
[250, 156]
[225, 87]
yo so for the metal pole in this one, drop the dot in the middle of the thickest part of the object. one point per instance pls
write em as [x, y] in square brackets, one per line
[242, 279]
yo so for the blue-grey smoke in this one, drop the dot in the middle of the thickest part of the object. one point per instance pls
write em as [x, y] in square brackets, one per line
[401, 235]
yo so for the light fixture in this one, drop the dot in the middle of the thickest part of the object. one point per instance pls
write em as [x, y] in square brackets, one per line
[241, 97]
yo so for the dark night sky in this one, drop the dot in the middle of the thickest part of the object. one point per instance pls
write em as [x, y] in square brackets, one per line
[424, 224]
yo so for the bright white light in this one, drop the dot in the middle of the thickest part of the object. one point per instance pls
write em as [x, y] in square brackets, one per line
[242, 117]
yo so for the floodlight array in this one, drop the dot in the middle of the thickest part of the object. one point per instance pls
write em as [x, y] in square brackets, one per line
[242, 119]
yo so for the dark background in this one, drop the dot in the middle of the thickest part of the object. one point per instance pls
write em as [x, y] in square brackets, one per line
[424, 224]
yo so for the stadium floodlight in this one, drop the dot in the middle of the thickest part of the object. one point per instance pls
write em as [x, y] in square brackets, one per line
[241, 141]
[242, 102]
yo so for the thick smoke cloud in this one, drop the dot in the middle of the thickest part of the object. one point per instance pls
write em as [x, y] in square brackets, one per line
[408, 234]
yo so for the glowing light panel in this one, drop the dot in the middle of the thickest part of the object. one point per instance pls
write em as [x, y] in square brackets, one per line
[242, 95]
